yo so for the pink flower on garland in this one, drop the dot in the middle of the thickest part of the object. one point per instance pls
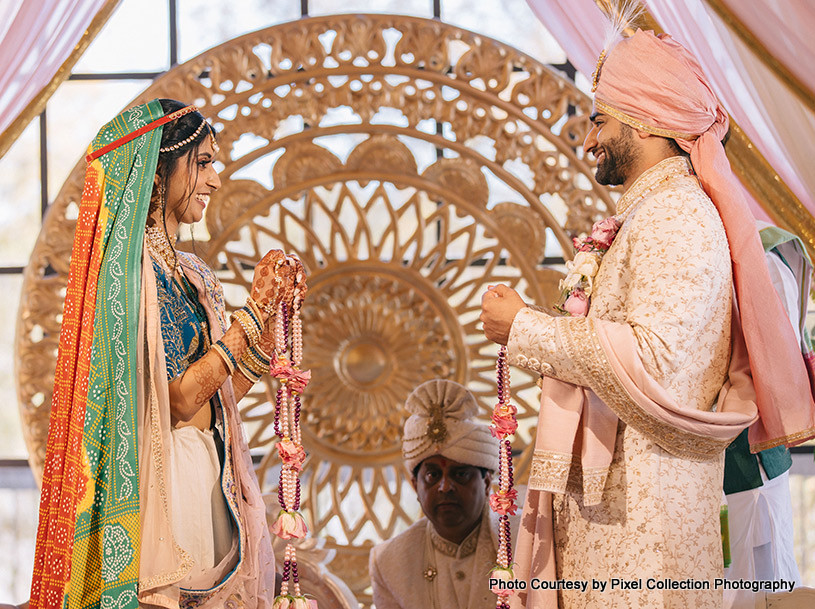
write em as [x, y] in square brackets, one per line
[292, 455]
[290, 525]
[504, 422]
[504, 502]
[298, 379]
[281, 368]
[294, 602]
[295, 379]
[501, 574]
[282, 602]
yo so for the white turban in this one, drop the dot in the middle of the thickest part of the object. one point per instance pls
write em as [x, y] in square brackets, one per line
[441, 423]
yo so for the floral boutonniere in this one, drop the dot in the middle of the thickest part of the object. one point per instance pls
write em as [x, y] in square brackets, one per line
[576, 288]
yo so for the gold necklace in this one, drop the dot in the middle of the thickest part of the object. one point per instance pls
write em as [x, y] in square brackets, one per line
[160, 245]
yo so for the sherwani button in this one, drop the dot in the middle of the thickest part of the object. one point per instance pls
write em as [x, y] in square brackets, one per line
[547, 369]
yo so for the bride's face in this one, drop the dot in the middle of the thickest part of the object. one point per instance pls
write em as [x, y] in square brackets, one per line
[190, 186]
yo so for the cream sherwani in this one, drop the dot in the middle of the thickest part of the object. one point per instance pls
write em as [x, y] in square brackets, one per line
[419, 568]
[668, 276]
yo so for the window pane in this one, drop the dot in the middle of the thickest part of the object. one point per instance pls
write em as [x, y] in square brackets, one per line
[203, 24]
[510, 21]
[19, 504]
[135, 38]
[11, 435]
[20, 198]
[416, 8]
[76, 112]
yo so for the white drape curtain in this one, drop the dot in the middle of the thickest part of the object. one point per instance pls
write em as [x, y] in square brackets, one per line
[36, 37]
[772, 117]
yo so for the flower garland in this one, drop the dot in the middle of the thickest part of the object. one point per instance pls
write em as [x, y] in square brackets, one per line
[290, 524]
[576, 288]
[503, 503]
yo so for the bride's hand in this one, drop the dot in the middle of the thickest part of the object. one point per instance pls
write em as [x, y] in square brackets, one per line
[273, 281]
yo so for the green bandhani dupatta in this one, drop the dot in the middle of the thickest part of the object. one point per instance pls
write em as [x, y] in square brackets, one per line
[89, 532]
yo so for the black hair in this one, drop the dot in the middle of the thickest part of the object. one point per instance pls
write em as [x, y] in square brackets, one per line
[174, 132]
[676, 148]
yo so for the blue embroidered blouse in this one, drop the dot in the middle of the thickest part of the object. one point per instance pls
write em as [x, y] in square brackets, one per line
[184, 325]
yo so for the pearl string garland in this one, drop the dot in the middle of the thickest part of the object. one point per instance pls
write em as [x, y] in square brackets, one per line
[503, 502]
[285, 366]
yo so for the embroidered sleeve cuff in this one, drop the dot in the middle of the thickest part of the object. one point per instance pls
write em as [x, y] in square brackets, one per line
[554, 346]
[531, 339]
[576, 356]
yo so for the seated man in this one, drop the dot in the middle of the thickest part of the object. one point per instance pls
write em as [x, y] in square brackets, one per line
[444, 559]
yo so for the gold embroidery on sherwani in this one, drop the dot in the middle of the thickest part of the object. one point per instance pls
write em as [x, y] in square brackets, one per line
[559, 473]
[583, 346]
[448, 548]
[549, 471]
[589, 482]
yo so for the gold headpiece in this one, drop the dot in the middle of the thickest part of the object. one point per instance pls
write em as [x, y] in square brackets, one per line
[436, 429]
[185, 141]
[596, 75]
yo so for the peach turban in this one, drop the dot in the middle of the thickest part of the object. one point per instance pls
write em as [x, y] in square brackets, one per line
[442, 423]
[654, 84]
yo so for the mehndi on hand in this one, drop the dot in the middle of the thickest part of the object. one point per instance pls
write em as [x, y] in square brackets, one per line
[277, 279]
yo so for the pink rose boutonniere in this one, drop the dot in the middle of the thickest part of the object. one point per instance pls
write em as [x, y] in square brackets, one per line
[603, 233]
[577, 303]
[576, 288]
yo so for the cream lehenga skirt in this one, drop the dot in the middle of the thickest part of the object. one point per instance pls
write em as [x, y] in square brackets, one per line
[202, 524]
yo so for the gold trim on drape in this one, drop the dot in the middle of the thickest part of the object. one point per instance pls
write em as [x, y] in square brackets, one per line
[774, 196]
[37, 105]
[755, 172]
[736, 25]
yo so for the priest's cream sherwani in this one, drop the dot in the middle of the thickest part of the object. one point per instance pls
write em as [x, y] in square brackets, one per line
[667, 275]
[421, 569]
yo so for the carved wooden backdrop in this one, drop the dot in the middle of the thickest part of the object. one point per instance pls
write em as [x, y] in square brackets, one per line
[409, 164]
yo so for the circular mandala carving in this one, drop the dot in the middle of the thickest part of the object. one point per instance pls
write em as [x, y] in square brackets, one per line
[372, 335]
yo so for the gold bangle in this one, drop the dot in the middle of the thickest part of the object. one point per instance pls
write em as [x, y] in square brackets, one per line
[251, 326]
[249, 374]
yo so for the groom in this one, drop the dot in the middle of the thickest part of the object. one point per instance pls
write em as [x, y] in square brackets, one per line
[641, 396]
